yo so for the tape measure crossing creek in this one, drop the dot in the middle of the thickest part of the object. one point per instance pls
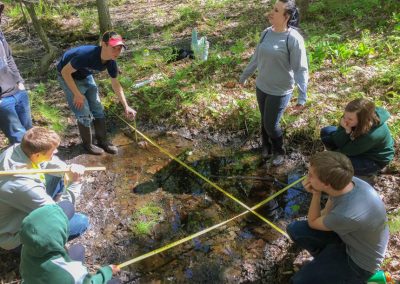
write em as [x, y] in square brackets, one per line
[248, 209]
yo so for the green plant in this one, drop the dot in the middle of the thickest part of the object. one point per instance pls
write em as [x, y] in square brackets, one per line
[88, 18]
[189, 15]
[394, 223]
[41, 108]
[14, 11]
[144, 219]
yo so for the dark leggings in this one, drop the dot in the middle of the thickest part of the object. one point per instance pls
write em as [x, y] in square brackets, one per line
[77, 253]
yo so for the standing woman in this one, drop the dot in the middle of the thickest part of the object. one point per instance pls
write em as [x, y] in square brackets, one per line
[363, 136]
[281, 61]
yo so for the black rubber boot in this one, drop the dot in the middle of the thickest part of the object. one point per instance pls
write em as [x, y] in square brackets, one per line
[101, 136]
[86, 136]
[266, 147]
[279, 151]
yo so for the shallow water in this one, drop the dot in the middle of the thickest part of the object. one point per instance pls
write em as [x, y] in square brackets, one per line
[188, 204]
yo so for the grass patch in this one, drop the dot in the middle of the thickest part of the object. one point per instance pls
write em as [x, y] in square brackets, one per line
[146, 218]
[394, 223]
[44, 111]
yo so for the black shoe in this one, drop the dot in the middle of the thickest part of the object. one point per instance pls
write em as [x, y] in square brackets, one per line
[101, 136]
[108, 147]
[87, 144]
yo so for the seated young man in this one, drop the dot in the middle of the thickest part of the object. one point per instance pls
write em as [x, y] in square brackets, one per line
[44, 259]
[22, 193]
[348, 238]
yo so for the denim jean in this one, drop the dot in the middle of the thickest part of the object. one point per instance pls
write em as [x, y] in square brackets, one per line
[362, 166]
[331, 264]
[92, 107]
[79, 223]
[15, 116]
[272, 109]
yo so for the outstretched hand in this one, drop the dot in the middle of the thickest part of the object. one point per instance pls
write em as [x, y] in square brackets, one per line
[76, 172]
[130, 113]
[115, 269]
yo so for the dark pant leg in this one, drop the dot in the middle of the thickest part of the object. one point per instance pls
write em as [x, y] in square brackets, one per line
[261, 97]
[331, 266]
[325, 133]
[68, 208]
[77, 252]
[364, 167]
[79, 222]
[314, 241]
[274, 108]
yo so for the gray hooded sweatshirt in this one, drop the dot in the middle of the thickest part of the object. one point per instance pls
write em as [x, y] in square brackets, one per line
[20, 194]
[9, 74]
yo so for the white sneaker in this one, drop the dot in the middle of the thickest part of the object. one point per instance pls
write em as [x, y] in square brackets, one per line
[278, 160]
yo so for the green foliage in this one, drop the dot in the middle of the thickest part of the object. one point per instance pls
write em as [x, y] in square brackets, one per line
[14, 11]
[394, 223]
[41, 108]
[188, 15]
[88, 18]
[146, 218]
[357, 13]
[238, 48]
[339, 36]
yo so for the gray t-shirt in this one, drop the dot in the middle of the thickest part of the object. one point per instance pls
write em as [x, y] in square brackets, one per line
[359, 218]
[281, 61]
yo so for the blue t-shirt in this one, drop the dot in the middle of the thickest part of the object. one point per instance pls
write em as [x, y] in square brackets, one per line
[86, 61]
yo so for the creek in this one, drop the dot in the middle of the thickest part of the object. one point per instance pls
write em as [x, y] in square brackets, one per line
[146, 200]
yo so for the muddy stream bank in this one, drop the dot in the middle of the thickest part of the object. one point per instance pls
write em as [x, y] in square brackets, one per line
[145, 200]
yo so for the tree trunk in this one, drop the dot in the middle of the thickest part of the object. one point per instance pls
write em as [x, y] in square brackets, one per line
[104, 16]
[48, 58]
[303, 6]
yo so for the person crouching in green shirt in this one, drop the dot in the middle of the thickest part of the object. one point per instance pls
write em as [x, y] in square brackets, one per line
[363, 136]
[44, 259]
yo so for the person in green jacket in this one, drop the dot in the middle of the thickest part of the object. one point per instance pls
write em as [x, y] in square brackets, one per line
[363, 136]
[44, 259]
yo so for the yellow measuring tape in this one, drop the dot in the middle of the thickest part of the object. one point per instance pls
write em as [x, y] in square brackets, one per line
[188, 238]
[204, 178]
